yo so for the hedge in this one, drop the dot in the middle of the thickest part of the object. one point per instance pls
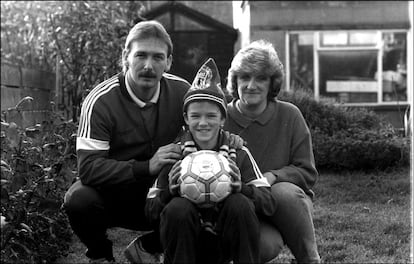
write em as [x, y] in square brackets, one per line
[349, 138]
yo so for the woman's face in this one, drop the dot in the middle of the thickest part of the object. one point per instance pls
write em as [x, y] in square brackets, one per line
[204, 119]
[253, 89]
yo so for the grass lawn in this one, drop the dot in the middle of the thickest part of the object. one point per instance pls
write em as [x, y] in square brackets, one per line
[359, 218]
[362, 218]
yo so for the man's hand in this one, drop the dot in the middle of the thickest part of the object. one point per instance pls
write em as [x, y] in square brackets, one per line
[236, 176]
[235, 141]
[173, 176]
[168, 154]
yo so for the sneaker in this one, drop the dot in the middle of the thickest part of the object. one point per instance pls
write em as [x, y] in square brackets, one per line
[135, 253]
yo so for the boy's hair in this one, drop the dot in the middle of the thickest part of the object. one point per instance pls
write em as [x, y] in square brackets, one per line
[258, 58]
[145, 30]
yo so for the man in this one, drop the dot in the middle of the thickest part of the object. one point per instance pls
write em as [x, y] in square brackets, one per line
[126, 127]
[280, 141]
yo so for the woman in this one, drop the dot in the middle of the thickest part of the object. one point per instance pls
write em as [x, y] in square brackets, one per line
[280, 142]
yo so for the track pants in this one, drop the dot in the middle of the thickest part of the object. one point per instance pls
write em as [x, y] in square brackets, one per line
[92, 212]
[185, 241]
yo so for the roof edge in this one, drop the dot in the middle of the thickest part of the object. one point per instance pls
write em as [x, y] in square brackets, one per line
[190, 13]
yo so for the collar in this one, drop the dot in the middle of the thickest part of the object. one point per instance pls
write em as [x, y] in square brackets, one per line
[188, 145]
[138, 101]
[244, 121]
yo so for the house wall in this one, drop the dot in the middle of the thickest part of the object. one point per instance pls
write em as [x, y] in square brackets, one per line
[327, 14]
[271, 20]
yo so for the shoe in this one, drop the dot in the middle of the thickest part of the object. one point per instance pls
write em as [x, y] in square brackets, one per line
[135, 253]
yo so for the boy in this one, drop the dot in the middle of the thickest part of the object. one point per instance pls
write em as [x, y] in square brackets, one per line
[234, 229]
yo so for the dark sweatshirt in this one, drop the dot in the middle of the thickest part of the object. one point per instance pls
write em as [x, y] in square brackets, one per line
[280, 142]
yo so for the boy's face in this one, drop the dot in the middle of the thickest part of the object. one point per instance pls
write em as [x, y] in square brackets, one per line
[204, 120]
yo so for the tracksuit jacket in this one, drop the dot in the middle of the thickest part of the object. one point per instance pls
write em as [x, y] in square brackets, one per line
[113, 144]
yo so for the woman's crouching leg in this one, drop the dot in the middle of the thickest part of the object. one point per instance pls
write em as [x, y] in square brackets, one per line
[293, 218]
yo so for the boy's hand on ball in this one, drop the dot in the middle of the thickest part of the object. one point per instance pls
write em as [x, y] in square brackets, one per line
[236, 176]
[173, 176]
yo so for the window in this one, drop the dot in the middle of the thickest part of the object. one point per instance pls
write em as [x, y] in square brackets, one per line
[348, 76]
[394, 67]
[344, 66]
[301, 61]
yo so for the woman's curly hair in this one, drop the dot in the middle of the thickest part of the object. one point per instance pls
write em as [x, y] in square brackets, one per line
[258, 58]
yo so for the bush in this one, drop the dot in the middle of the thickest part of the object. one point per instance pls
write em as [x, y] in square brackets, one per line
[38, 165]
[349, 138]
[80, 40]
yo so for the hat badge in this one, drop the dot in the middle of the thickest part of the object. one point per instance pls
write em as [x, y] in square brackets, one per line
[203, 78]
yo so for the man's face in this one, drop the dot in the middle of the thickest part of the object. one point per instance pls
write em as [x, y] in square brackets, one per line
[253, 89]
[204, 120]
[147, 61]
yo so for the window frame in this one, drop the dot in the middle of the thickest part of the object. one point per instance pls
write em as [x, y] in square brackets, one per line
[317, 48]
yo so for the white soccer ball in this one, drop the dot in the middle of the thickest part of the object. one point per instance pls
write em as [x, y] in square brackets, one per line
[205, 179]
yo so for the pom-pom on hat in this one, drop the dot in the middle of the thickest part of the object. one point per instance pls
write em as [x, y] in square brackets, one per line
[207, 87]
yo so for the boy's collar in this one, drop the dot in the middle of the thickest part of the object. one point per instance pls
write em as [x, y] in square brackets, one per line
[188, 145]
[188, 137]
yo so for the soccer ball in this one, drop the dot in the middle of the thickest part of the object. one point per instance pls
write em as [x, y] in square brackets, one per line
[205, 179]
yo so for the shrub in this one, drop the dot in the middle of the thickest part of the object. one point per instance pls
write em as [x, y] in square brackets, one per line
[80, 40]
[37, 167]
[349, 138]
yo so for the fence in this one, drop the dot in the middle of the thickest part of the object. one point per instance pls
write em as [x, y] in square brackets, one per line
[17, 83]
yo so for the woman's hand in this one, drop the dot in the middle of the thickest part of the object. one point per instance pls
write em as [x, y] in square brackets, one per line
[235, 141]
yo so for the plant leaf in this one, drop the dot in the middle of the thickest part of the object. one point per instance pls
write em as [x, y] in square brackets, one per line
[26, 227]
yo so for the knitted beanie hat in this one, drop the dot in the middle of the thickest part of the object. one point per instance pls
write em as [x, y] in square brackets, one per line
[206, 87]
